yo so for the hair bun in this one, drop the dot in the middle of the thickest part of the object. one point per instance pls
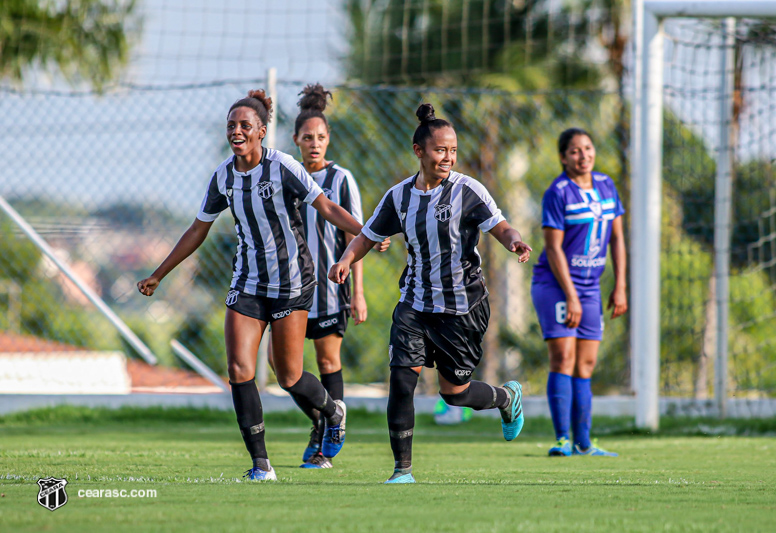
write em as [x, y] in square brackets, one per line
[425, 113]
[314, 97]
[262, 97]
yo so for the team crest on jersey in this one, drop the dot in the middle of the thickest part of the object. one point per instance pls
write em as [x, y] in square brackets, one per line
[596, 208]
[231, 297]
[229, 193]
[52, 493]
[266, 190]
[329, 193]
[442, 212]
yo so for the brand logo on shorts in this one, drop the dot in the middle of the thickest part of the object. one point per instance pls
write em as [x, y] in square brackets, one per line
[52, 493]
[231, 297]
[329, 193]
[327, 323]
[462, 373]
[265, 190]
[442, 212]
[282, 314]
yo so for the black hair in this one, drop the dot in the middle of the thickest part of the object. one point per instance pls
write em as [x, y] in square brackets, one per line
[312, 104]
[259, 102]
[565, 138]
[428, 123]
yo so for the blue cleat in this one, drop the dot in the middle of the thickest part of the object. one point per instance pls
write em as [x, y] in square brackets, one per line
[512, 418]
[561, 449]
[257, 474]
[313, 447]
[317, 461]
[334, 436]
[398, 477]
[594, 450]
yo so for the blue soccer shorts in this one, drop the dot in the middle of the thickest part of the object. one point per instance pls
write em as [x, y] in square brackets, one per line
[550, 303]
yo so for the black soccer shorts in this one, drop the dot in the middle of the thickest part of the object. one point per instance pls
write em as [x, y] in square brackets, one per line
[269, 309]
[451, 342]
[323, 326]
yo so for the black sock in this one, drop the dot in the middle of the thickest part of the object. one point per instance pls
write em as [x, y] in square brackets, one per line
[401, 415]
[250, 418]
[334, 384]
[479, 396]
[309, 394]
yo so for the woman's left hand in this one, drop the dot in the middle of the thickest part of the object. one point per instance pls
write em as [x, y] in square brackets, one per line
[619, 301]
[382, 247]
[358, 306]
[522, 250]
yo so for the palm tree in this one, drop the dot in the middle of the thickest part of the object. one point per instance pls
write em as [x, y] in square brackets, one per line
[85, 39]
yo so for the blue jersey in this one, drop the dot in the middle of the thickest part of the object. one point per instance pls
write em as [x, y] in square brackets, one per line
[585, 216]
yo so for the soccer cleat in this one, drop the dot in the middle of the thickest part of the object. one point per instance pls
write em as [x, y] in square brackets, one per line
[313, 447]
[512, 418]
[317, 461]
[561, 449]
[398, 477]
[257, 474]
[594, 450]
[334, 436]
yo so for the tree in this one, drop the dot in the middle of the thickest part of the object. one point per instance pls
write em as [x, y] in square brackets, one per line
[85, 39]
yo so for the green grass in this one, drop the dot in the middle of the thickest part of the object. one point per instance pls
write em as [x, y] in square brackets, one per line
[681, 479]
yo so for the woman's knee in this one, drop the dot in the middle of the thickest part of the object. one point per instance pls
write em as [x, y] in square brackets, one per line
[562, 361]
[328, 363]
[239, 373]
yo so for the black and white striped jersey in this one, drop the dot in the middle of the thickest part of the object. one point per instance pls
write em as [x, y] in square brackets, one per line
[441, 231]
[327, 242]
[272, 258]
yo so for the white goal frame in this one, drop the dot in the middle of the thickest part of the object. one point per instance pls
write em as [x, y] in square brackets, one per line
[646, 161]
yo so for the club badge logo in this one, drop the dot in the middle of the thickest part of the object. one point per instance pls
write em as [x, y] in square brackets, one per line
[231, 297]
[597, 209]
[229, 193]
[329, 193]
[52, 493]
[265, 190]
[442, 212]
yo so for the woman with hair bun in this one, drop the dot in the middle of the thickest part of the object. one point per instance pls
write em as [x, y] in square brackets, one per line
[443, 311]
[332, 304]
[273, 278]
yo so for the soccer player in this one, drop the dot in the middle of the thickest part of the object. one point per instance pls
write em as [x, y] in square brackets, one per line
[581, 215]
[332, 304]
[443, 310]
[273, 274]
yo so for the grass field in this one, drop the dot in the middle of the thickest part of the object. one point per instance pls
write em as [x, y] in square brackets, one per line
[469, 479]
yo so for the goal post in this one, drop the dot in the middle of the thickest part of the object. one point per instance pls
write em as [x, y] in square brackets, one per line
[646, 190]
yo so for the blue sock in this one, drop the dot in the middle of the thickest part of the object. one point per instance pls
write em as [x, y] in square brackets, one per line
[559, 398]
[582, 411]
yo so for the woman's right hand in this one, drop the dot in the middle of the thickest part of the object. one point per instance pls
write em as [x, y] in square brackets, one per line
[148, 285]
[573, 311]
[339, 272]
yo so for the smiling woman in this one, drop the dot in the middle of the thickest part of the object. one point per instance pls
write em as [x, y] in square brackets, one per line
[443, 311]
[273, 277]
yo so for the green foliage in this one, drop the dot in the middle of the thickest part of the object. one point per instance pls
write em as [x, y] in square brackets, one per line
[86, 39]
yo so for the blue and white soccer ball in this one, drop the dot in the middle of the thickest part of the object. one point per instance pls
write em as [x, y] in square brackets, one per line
[448, 415]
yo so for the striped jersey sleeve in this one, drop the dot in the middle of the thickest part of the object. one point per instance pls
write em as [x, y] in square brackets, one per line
[385, 220]
[296, 179]
[350, 198]
[479, 206]
[214, 201]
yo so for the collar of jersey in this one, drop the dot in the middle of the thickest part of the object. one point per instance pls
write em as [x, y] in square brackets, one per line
[255, 169]
[415, 190]
[571, 181]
